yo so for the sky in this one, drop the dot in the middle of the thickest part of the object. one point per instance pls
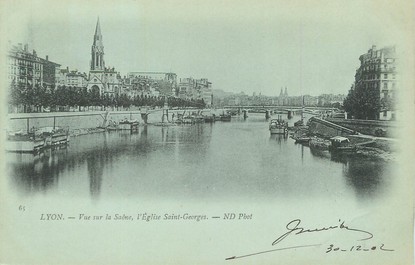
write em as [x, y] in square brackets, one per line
[310, 47]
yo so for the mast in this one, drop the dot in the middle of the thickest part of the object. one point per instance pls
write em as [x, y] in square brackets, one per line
[302, 111]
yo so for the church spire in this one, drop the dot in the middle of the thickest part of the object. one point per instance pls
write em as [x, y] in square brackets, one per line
[97, 50]
[97, 35]
[97, 28]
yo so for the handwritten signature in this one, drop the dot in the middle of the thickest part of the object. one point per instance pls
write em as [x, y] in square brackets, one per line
[294, 227]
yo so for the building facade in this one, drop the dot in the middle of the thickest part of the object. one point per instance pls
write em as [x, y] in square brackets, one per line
[50, 72]
[151, 83]
[204, 91]
[72, 78]
[197, 89]
[377, 72]
[27, 70]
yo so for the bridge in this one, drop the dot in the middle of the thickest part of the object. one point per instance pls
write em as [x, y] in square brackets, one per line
[263, 108]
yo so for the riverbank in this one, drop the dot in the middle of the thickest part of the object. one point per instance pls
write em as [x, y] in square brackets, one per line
[367, 146]
[377, 153]
[85, 131]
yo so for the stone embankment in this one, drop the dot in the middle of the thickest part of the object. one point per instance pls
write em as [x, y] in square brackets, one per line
[78, 132]
[366, 145]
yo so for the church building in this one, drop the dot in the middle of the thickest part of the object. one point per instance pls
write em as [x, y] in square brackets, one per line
[103, 79]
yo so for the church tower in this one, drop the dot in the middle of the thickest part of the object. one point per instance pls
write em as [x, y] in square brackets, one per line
[97, 51]
[101, 79]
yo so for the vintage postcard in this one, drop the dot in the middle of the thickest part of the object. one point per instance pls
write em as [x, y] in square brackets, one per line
[207, 132]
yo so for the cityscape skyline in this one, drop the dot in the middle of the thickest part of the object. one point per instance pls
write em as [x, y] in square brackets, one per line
[250, 54]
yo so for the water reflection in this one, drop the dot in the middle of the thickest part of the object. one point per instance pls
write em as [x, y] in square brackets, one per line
[279, 137]
[365, 175]
[222, 160]
[322, 154]
[95, 171]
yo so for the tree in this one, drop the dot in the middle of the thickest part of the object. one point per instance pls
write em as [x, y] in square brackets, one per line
[83, 97]
[106, 100]
[124, 101]
[114, 101]
[363, 103]
[350, 103]
[52, 98]
[94, 97]
[38, 94]
[15, 94]
[61, 96]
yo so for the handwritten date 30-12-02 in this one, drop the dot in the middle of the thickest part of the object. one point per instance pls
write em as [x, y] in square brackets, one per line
[357, 248]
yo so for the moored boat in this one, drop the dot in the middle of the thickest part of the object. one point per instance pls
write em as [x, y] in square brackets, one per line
[209, 118]
[24, 142]
[54, 136]
[341, 144]
[299, 123]
[302, 140]
[123, 124]
[319, 143]
[126, 124]
[198, 119]
[278, 126]
[225, 117]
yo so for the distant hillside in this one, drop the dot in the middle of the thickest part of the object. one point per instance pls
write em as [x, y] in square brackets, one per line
[220, 94]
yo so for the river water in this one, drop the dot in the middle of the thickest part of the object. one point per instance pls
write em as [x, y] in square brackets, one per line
[212, 161]
[204, 169]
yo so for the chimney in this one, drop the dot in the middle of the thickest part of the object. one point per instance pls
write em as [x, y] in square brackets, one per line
[26, 47]
[47, 58]
[34, 53]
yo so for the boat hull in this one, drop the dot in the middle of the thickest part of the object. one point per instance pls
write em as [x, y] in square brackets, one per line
[126, 126]
[60, 139]
[225, 118]
[28, 146]
[278, 130]
[346, 149]
[304, 140]
[209, 119]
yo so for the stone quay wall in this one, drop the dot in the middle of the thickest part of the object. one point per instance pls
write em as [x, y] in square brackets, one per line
[326, 129]
[369, 127]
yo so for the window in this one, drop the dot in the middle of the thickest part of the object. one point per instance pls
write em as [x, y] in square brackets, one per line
[385, 76]
[385, 85]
